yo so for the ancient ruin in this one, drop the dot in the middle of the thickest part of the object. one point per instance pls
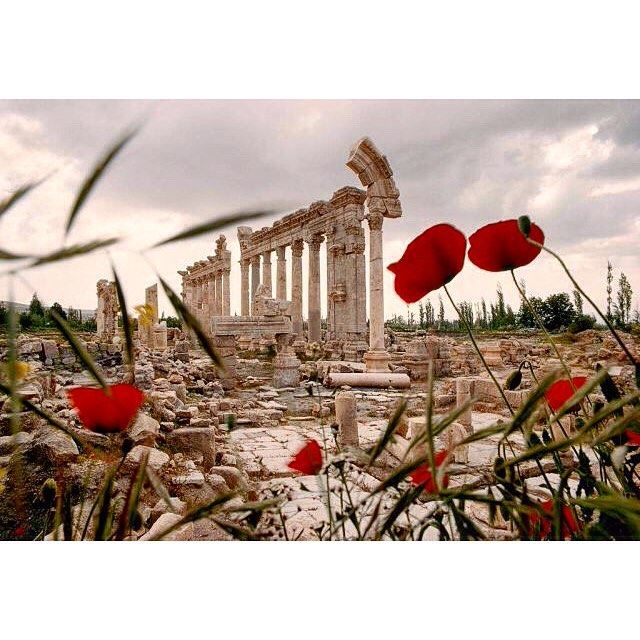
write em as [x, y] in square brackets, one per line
[107, 311]
[205, 285]
[284, 381]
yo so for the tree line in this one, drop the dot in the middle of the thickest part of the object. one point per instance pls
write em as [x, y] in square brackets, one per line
[558, 311]
[37, 316]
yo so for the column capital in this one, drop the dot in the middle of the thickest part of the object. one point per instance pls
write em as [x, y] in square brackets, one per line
[244, 262]
[315, 241]
[297, 247]
[375, 219]
[266, 256]
[280, 252]
[255, 260]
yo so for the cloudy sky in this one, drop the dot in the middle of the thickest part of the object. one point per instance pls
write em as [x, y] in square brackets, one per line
[572, 165]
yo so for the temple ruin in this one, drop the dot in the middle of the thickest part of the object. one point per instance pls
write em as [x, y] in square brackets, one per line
[338, 222]
[205, 285]
[107, 311]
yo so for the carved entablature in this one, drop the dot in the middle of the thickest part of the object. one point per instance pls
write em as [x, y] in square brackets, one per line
[320, 218]
[374, 172]
[214, 266]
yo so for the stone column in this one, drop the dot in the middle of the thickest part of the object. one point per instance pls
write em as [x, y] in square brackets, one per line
[255, 279]
[361, 289]
[213, 295]
[267, 272]
[331, 281]
[226, 292]
[198, 284]
[219, 295]
[281, 273]
[376, 359]
[464, 392]
[205, 308]
[244, 287]
[314, 333]
[347, 419]
[297, 248]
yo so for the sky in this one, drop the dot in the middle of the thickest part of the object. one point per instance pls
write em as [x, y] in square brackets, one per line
[572, 165]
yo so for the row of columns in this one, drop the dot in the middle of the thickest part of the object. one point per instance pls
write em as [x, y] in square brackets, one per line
[209, 295]
[344, 267]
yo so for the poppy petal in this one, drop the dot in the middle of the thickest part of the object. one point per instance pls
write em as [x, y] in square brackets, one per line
[500, 246]
[561, 390]
[430, 261]
[106, 411]
[308, 460]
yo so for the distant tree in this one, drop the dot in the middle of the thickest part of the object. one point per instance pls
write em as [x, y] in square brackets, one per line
[577, 302]
[624, 296]
[173, 322]
[557, 311]
[57, 307]
[440, 314]
[421, 315]
[429, 314]
[74, 318]
[4, 315]
[35, 306]
[26, 320]
[466, 311]
[485, 317]
[525, 317]
[89, 325]
[609, 288]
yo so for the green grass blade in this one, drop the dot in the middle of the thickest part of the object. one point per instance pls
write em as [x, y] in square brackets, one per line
[189, 320]
[8, 255]
[126, 321]
[390, 429]
[133, 498]
[95, 175]
[16, 196]
[72, 252]
[215, 224]
[78, 348]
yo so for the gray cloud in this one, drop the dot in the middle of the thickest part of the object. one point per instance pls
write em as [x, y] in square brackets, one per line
[467, 162]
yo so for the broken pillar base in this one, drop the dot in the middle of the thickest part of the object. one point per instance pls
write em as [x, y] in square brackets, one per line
[376, 360]
[377, 380]
[286, 370]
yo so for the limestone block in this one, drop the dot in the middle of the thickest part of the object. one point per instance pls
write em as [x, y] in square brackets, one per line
[190, 440]
[164, 523]
[347, 418]
[157, 459]
[144, 430]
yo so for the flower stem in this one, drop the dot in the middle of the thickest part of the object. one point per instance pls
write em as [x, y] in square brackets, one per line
[477, 348]
[495, 381]
[611, 328]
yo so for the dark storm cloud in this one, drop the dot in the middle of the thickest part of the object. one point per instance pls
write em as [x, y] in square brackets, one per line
[468, 162]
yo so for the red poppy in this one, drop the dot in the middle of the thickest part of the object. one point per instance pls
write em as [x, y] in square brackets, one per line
[106, 411]
[540, 525]
[500, 246]
[308, 460]
[633, 438]
[561, 390]
[429, 262]
[422, 475]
